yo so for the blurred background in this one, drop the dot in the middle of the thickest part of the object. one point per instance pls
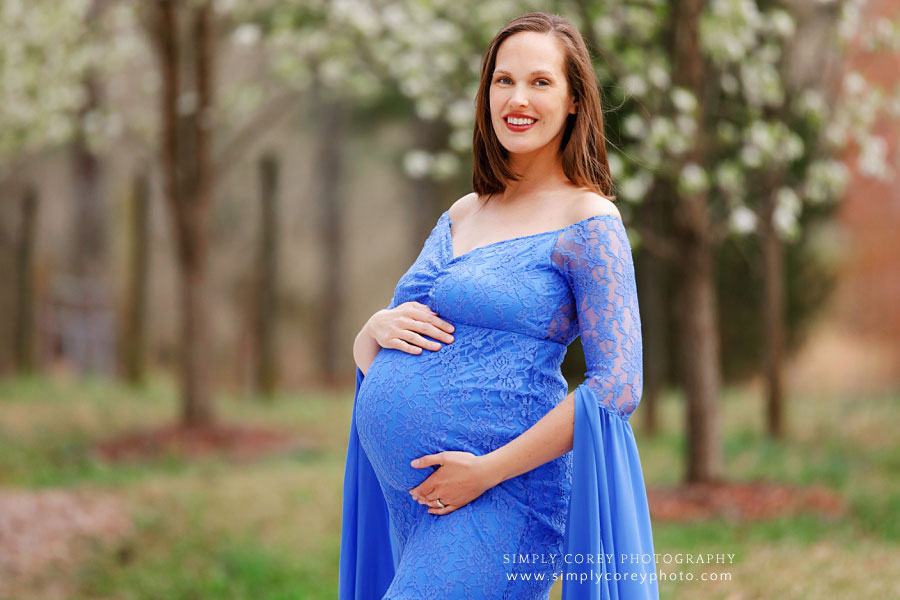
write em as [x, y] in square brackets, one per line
[204, 201]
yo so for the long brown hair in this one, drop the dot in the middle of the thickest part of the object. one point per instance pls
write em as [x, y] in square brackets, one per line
[583, 145]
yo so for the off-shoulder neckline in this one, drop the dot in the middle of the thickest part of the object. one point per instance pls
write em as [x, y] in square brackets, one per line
[449, 234]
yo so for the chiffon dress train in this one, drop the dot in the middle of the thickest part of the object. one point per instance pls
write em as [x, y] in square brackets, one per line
[516, 305]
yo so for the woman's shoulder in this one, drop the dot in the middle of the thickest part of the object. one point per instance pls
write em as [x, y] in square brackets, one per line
[583, 204]
[587, 203]
[461, 207]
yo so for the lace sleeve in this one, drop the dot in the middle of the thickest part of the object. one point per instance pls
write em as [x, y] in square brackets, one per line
[600, 269]
[608, 510]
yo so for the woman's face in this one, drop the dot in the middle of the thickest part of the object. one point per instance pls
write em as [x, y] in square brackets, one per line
[529, 80]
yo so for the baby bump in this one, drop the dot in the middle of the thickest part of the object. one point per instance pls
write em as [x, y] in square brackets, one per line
[471, 395]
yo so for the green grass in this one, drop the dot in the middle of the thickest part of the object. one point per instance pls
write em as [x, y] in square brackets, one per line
[270, 528]
[192, 545]
[847, 445]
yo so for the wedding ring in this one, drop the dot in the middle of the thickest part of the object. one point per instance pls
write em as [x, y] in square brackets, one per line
[440, 504]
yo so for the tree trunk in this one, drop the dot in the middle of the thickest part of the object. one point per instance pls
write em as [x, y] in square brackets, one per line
[135, 330]
[90, 328]
[698, 351]
[266, 305]
[652, 293]
[196, 202]
[89, 251]
[23, 332]
[773, 320]
[428, 194]
[330, 169]
[697, 319]
[195, 385]
[188, 187]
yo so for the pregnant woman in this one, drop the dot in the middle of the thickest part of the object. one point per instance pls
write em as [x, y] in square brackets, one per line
[471, 474]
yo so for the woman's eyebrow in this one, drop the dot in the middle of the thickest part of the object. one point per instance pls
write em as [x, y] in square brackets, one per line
[538, 72]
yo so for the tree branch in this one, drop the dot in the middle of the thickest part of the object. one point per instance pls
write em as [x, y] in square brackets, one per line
[274, 111]
[656, 245]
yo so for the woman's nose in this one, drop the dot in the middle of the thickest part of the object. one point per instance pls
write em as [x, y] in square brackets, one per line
[519, 99]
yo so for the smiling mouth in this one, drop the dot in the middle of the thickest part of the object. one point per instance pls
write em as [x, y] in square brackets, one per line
[514, 127]
[518, 128]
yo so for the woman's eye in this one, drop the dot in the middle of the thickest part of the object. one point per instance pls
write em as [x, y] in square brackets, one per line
[502, 79]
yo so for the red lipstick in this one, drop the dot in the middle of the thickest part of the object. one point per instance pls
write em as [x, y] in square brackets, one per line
[518, 128]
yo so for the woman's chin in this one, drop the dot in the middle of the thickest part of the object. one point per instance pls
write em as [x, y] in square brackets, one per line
[521, 149]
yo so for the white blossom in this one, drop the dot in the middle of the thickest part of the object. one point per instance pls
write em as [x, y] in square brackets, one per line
[782, 22]
[677, 143]
[461, 113]
[605, 26]
[742, 220]
[825, 180]
[461, 139]
[634, 125]
[872, 158]
[693, 178]
[635, 188]
[445, 165]
[658, 76]
[729, 83]
[417, 163]
[687, 125]
[854, 83]
[788, 199]
[616, 165]
[428, 107]
[730, 178]
[811, 102]
[246, 34]
[634, 85]
[785, 222]
[751, 156]
[683, 100]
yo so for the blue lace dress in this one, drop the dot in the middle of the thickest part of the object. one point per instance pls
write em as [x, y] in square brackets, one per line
[516, 305]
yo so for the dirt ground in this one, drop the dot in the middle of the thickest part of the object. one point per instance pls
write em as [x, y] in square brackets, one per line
[742, 501]
[46, 533]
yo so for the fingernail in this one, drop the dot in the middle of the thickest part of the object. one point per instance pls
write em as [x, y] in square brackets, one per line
[414, 462]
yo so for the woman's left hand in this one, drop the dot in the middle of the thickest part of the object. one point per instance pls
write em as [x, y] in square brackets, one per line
[461, 478]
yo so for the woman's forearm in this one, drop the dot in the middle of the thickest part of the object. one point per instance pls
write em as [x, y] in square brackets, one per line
[365, 349]
[549, 438]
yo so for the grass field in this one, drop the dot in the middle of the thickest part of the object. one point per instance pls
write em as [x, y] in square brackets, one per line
[269, 528]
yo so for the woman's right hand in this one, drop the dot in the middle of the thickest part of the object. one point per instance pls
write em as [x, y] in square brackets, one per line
[402, 327]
